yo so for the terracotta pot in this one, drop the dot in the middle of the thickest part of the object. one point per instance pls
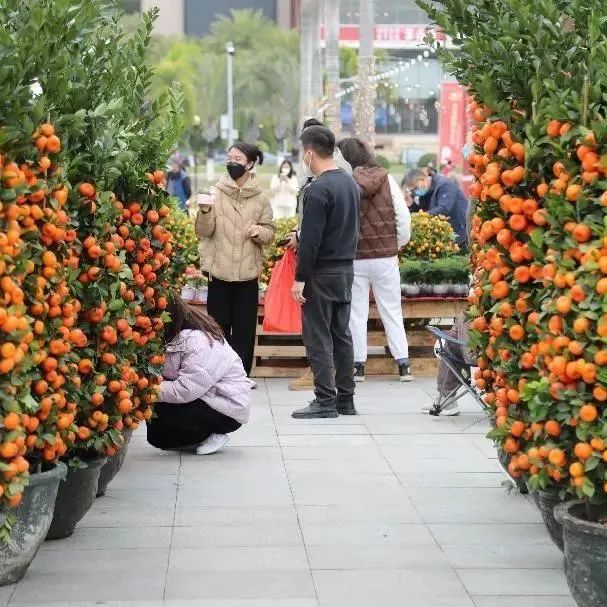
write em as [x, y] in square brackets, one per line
[75, 497]
[113, 464]
[585, 554]
[33, 519]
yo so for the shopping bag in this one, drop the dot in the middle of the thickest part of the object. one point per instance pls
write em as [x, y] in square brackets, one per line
[282, 313]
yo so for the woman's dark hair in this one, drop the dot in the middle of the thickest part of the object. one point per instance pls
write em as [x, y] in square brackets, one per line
[252, 152]
[320, 139]
[185, 317]
[357, 153]
[290, 164]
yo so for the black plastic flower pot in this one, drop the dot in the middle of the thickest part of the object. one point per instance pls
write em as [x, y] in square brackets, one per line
[546, 502]
[585, 554]
[113, 464]
[75, 497]
[32, 521]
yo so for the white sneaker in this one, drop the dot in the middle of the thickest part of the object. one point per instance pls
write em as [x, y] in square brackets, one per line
[214, 443]
[448, 412]
[253, 384]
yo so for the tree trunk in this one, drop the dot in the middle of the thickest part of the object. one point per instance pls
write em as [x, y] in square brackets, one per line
[306, 52]
[364, 99]
[332, 19]
[317, 55]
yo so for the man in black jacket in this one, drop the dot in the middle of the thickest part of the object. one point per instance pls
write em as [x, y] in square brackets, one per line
[324, 276]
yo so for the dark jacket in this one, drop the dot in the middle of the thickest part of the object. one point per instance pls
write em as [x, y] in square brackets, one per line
[330, 224]
[446, 198]
[377, 237]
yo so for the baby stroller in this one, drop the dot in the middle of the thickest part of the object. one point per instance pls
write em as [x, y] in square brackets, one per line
[457, 381]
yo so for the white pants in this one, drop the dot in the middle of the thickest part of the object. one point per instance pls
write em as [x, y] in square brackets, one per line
[383, 276]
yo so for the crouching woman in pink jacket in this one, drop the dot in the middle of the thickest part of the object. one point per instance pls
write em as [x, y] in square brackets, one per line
[205, 394]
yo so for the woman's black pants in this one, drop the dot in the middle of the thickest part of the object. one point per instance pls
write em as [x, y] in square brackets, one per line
[233, 305]
[186, 425]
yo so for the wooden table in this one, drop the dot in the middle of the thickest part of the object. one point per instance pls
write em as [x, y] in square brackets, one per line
[281, 355]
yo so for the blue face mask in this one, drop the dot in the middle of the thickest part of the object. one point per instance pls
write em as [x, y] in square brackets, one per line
[421, 191]
[466, 151]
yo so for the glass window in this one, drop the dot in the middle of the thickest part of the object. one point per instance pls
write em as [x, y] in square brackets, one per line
[131, 6]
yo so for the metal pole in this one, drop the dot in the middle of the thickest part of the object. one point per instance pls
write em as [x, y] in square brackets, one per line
[230, 50]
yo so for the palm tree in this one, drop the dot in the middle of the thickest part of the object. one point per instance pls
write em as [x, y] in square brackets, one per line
[332, 19]
[364, 101]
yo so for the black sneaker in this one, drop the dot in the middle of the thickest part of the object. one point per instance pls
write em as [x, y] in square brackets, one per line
[359, 372]
[315, 411]
[404, 372]
[346, 407]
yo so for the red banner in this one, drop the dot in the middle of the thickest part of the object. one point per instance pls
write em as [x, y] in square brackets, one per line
[452, 125]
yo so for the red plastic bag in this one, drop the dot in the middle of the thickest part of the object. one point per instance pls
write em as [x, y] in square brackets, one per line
[282, 313]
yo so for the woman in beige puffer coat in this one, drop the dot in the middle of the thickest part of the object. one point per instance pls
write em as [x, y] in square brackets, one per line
[234, 231]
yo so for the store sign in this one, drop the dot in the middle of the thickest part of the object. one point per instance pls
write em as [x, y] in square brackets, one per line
[389, 36]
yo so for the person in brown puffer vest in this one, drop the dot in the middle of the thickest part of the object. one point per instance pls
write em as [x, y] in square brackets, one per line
[385, 227]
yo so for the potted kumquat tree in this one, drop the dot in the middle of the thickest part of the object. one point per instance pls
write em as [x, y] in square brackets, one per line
[535, 73]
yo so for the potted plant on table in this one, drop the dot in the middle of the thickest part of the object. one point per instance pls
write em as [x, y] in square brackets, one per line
[410, 277]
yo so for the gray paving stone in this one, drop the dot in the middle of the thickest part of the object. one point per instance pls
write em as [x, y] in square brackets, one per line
[310, 429]
[367, 556]
[501, 533]
[390, 587]
[103, 561]
[366, 534]
[523, 601]
[429, 480]
[98, 538]
[242, 603]
[531, 556]
[106, 514]
[329, 516]
[525, 582]
[196, 516]
[241, 558]
[239, 585]
[417, 601]
[251, 534]
[323, 440]
[5, 594]
[146, 585]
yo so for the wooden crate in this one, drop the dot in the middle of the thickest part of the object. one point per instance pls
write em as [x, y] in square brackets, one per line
[280, 355]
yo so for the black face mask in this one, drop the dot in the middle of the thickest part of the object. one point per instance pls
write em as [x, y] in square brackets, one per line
[236, 170]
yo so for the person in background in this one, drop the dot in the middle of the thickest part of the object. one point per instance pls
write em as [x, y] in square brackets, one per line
[324, 276]
[447, 168]
[178, 184]
[306, 381]
[284, 187]
[235, 225]
[440, 195]
[205, 394]
[385, 227]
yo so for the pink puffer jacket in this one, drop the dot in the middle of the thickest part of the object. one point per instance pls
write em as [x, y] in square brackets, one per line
[199, 367]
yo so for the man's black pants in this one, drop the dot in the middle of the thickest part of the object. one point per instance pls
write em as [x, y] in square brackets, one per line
[326, 334]
[185, 425]
[233, 305]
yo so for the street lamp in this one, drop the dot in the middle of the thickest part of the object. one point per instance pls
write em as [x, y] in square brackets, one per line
[230, 50]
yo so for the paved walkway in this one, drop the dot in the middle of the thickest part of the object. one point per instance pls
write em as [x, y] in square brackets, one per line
[391, 508]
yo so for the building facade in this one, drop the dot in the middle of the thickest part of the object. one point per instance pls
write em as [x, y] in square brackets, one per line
[194, 17]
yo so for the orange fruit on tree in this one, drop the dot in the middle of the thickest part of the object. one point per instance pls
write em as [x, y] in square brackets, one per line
[588, 413]
[557, 457]
[552, 428]
[582, 451]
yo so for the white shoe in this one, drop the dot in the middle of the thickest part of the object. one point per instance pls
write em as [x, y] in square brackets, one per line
[214, 443]
[448, 412]
[253, 384]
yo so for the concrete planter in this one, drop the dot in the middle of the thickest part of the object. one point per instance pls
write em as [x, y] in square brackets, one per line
[113, 464]
[546, 502]
[585, 554]
[75, 497]
[34, 516]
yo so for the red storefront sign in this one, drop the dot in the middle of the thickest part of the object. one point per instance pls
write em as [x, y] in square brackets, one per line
[389, 36]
